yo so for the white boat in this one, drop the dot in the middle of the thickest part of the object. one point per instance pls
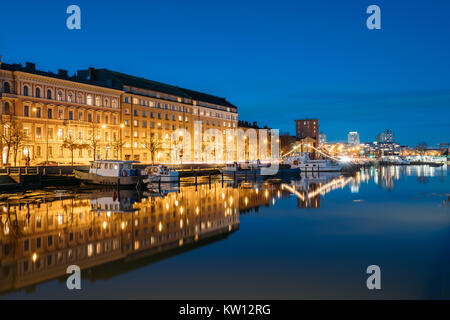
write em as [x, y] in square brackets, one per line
[109, 172]
[322, 165]
[231, 167]
[160, 173]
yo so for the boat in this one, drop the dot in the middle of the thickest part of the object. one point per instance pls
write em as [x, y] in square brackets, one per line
[305, 164]
[160, 173]
[109, 172]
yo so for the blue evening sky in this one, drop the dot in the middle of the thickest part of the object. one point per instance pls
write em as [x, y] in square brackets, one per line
[276, 60]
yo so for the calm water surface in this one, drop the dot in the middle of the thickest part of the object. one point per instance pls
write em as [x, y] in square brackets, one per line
[312, 237]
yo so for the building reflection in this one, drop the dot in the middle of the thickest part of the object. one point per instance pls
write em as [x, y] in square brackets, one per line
[39, 239]
[42, 234]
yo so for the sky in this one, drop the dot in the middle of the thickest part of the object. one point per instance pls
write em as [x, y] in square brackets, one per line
[277, 61]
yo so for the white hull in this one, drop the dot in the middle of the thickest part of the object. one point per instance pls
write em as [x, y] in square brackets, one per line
[318, 168]
[161, 179]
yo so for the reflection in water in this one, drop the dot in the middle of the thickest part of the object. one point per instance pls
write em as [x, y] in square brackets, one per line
[41, 234]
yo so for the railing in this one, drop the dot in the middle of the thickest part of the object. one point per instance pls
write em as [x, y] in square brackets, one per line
[19, 170]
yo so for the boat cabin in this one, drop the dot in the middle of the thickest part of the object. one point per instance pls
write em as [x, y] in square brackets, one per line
[113, 168]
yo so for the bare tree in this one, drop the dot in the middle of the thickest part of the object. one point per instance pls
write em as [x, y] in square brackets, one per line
[13, 137]
[117, 147]
[5, 136]
[94, 138]
[73, 144]
[153, 145]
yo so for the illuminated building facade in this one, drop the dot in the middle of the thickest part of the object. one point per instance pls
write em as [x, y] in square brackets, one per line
[41, 110]
[153, 111]
[108, 114]
[353, 138]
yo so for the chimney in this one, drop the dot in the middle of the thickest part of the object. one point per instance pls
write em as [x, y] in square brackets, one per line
[91, 73]
[63, 72]
[30, 66]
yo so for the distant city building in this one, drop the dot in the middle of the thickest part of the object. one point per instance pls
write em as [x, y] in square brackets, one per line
[376, 149]
[307, 128]
[387, 136]
[353, 138]
[322, 138]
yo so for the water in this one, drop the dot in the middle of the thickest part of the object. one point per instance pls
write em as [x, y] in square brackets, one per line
[309, 238]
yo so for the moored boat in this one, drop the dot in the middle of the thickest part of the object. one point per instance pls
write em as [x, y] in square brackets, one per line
[160, 173]
[110, 172]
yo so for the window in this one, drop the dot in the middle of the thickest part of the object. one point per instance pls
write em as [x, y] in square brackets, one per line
[97, 101]
[38, 151]
[26, 111]
[106, 103]
[38, 112]
[49, 94]
[38, 92]
[89, 117]
[135, 112]
[6, 108]
[70, 115]
[38, 132]
[50, 133]
[126, 99]
[114, 103]
[80, 116]
[98, 118]
[6, 87]
[89, 99]
[69, 97]
[60, 96]
[50, 113]
[25, 90]
[60, 114]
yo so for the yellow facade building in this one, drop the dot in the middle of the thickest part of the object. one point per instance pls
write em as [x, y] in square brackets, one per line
[105, 114]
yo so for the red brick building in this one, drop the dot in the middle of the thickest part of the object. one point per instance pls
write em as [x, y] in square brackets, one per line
[307, 128]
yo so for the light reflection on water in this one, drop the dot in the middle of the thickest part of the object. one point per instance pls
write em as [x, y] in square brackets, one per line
[250, 233]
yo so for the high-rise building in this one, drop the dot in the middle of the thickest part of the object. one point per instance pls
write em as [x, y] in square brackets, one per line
[353, 138]
[387, 136]
[322, 138]
[307, 128]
